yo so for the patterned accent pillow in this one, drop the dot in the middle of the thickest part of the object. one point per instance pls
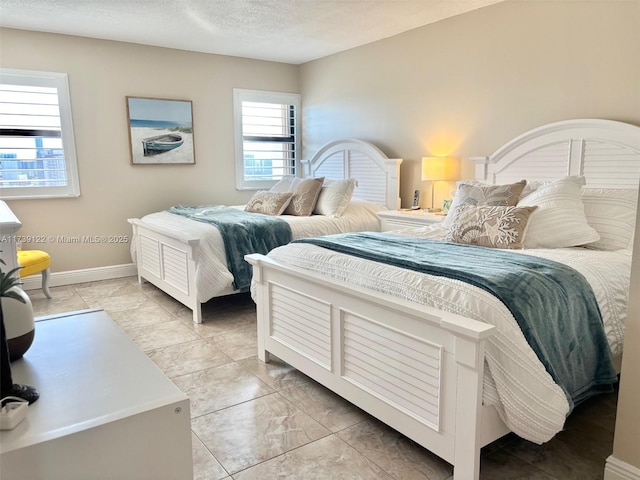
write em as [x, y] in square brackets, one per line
[335, 196]
[480, 194]
[489, 226]
[269, 203]
[305, 196]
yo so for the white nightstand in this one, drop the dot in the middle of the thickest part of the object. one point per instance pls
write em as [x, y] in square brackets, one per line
[397, 219]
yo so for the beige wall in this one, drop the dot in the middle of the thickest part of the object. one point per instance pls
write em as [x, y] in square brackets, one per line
[466, 85]
[101, 74]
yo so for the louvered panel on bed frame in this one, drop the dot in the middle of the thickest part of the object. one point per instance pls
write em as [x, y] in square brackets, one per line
[593, 152]
[355, 158]
[391, 374]
[166, 262]
[597, 165]
[303, 323]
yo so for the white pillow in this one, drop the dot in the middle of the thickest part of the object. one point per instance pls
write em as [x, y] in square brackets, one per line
[612, 213]
[532, 186]
[559, 220]
[335, 196]
[285, 184]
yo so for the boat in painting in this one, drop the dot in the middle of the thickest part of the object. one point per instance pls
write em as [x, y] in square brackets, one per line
[161, 143]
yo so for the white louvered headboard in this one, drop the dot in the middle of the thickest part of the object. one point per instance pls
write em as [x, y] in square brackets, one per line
[378, 176]
[606, 152]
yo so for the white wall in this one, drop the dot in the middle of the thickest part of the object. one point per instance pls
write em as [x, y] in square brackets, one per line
[101, 74]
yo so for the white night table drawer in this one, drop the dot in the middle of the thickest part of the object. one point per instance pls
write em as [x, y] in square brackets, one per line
[398, 219]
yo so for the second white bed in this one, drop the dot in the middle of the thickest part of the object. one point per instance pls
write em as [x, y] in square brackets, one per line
[212, 274]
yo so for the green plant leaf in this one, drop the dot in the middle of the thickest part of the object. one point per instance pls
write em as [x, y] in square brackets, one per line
[15, 296]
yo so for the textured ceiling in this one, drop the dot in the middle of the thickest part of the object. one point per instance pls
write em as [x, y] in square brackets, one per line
[290, 31]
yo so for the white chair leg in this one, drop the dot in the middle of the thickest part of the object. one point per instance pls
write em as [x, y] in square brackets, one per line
[45, 283]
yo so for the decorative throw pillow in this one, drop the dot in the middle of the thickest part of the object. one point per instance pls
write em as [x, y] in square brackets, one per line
[269, 203]
[285, 184]
[489, 226]
[305, 196]
[612, 213]
[335, 196]
[476, 194]
[559, 221]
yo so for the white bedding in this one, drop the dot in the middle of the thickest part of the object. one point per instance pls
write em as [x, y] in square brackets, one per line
[515, 382]
[212, 275]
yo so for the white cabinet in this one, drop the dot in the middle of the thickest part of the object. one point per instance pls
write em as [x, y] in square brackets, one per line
[399, 219]
[105, 410]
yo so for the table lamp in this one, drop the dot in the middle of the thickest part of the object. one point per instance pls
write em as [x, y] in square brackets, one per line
[435, 169]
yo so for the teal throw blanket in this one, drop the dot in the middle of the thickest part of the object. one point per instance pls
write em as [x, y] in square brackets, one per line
[553, 304]
[242, 232]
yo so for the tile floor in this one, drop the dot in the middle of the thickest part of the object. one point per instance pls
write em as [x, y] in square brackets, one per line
[253, 420]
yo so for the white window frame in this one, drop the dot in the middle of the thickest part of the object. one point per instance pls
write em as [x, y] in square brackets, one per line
[61, 82]
[240, 95]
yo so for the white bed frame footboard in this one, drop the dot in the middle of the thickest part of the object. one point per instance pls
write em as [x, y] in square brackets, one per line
[168, 262]
[418, 369]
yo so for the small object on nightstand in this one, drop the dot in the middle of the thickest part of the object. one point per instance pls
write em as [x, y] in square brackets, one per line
[416, 200]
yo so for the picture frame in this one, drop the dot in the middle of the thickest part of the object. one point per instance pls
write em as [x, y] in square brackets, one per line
[160, 131]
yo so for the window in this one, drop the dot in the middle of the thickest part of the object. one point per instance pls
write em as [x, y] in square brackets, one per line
[267, 143]
[37, 148]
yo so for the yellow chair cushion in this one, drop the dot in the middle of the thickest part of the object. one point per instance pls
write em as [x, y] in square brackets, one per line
[33, 261]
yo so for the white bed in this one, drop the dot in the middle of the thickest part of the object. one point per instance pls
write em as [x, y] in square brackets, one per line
[186, 259]
[354, 313]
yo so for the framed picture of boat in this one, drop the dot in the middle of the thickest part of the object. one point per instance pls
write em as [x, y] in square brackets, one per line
[160, 131]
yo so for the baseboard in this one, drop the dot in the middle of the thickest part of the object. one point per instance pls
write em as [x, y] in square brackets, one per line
[616, 469]
[72, 277]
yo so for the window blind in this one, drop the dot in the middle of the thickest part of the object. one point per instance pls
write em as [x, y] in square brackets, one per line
[268, 137]
[33, 159]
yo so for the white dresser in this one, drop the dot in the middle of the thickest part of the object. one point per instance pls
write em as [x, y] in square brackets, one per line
[105, 410]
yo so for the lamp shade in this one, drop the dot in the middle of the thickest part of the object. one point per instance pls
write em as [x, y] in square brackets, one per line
[438, 168]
